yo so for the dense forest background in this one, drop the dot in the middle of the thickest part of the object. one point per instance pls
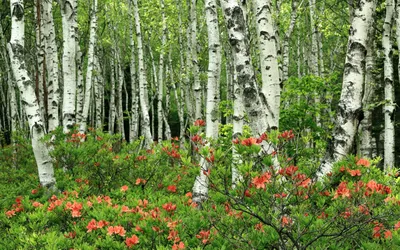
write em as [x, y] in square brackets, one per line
[310, 37]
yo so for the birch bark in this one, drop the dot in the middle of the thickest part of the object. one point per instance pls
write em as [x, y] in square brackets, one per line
[142, 80]
[16, 52]
[90, 67]
[350, 104]
[252, 101]
[68, 12]
[389, 106]
[200, 188]
[270, 91]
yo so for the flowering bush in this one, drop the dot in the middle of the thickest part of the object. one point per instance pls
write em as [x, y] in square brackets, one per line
[134, 198]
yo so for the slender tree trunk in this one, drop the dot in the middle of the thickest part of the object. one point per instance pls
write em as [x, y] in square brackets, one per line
[252, 101]
[98, 93]
[120, 112]
[286, 40]
[68, 12]
[190, 111]
[90, 67]
[270, 90]
[197, 88]
[111, 120]
[160, 92]
[350, 104]
[134, 121]
[389, 107]
[142, 80]
[16, 52]
[52, 63]
[200, 188]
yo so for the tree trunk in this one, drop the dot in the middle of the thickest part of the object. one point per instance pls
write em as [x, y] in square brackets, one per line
[142, 81]
[252, 101]
[52, 63]
[200, 188]
[16, 52]
[90, 67]
[270, 90]
[68, 11]
[350, 104]
[134, 121]
[389, 107]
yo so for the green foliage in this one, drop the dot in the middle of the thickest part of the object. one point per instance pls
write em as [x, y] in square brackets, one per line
[113, 192]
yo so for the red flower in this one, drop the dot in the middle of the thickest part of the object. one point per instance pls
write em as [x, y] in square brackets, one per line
[34, 191]
[75, 208]
[139, 180]
[171, 188]
[124, 188]
[355, 172]
[116, 230]
[37, 204]
[169, 207]
[133, 240]
[262, 138]
[388, 234]
[289, 171]
[342, 191]
[196, 138]
[204, 236]
[249, 141]
[259, 227]
[259, 182]
[285, 221]
[10, 213]
[304, 183]
[200, 123]
[397, 226]
[363, 162]
[173, 236]
[176, 246]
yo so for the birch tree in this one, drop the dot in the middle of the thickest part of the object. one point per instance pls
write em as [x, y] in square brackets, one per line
[388, 109]
[200, 189]
[90, 67]
[134, 121]
[270, 91]
[52, 63]
[350, 104]
[252, 102]
[68, 12]
[142, 80]
[16, 50]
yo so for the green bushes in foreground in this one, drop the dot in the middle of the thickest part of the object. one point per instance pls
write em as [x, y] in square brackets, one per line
[115, 195]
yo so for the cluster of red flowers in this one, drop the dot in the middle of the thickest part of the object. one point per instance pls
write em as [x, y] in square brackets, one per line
[204, 236]
[369, 188]
[77, 137]
[259, 181]
[133, 240]
[75, 208]
[116, 230]
[199, 123]
[286, 135]
[251, 140]
[17, 207]
[93, 225]
[169, 207]
[173, 152]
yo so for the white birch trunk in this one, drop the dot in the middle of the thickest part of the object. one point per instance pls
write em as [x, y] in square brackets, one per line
[252, 101]
[200, 188]
[68, 12]
[142, 80]
[90, 68]
[197, 88]
[350, 104]
[111, 120]
[16, 52]
[160, 88]
[367, 145]
[134, 121]
[98, 92]
[120, 112]
[286, 40]
[189, 65]
[389, 106]
[52, 63]
[270, 90]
